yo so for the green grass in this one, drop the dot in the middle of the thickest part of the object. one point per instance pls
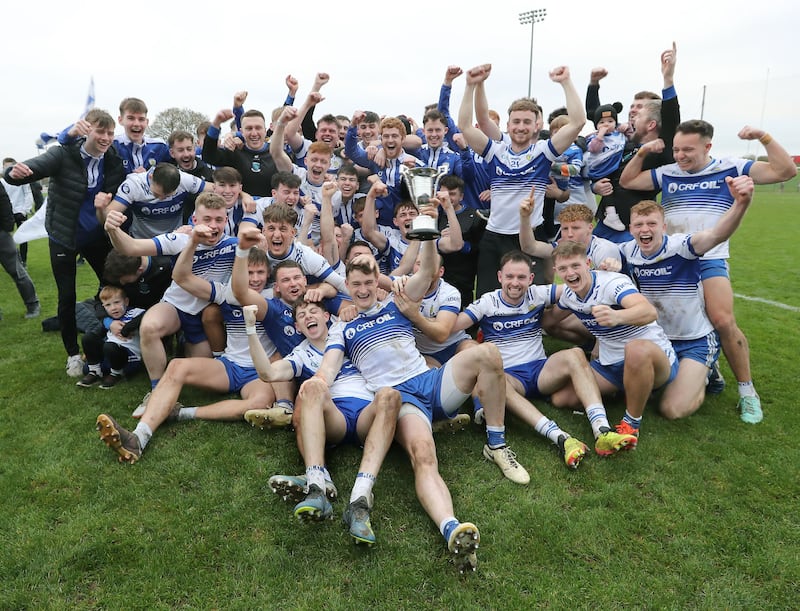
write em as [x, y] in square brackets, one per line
[703, 515]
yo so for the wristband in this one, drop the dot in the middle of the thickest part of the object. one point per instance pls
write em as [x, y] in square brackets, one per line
[765, 139]
[241, 252]
[641, 152]
[250, 330]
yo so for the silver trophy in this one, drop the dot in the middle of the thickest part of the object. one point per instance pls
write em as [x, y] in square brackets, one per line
[422, 184]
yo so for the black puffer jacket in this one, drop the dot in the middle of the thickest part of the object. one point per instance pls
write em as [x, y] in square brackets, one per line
[6, 211]
[68, 185]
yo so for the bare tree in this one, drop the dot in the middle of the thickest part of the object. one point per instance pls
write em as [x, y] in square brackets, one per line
[167, 121]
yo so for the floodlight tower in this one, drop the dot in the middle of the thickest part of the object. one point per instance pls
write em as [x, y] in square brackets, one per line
[532, 17]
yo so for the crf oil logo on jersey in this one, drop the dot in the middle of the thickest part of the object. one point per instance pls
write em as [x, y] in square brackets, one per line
[706, 185]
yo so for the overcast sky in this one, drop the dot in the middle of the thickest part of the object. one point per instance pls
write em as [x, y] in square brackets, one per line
[390, 57]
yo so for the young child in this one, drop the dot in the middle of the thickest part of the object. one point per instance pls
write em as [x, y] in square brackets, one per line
[567, 169]
[121, 346]
[604, 154]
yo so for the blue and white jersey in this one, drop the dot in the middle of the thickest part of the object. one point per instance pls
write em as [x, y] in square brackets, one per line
[237, 214]
[305, 360]
[444, 298]
[147, 155]
[606, 162]
[312, 263]
[345, 209]
[390, 175]
[213, 263]
[132, 342]
[512, 175]
[516, 330]
[670, 279]
[279, 323]
[153, 216]
[609, 289]
[574, 157]
[693, 202]
[380, 343]
[434, 158]
[601, 249]
[315, 193]
[396, 247]
[237, 347]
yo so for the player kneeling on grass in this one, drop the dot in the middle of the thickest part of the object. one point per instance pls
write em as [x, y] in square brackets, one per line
[511, 318]
[229, 373]
[635, 355]
[344, 413]
[668, 272]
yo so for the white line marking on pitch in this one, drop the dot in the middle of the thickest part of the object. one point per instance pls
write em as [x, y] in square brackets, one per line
[777, 304]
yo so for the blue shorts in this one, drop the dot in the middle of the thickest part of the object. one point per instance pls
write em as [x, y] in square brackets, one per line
[446, 354]
[192, 327]
[713, 268]
[528, 375]
[614, 372]
[434, 392]
[238, 376]
[423, 391]
[704, 350]
[351, 408]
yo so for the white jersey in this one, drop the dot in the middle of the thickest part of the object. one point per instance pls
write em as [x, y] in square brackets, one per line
[237, 346]
[345, 208]
[380, 343]
[213, 263]
[670, 279]
[609, 289]
[21, 197]
[516, 330]
[601, 249]
[312, 263]
[305, 360]
[315, 193]
[693, 202]
[444, 298]
[512, 176]
[132, 342]
[153, 216]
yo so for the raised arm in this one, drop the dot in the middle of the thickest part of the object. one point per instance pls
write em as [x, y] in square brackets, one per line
[741, 188]
[211, 152]
[182, 272]
[406, 264]
[249, 236]
[575, 111]
[527, 242]
[485, 123]
[419, 282]
[452, 239]
[475, 137]
[593, 90]
[369, 224]
[276, 143]
[292, 135]
[279, 371]
[123, 242]
[778, 167]
[327, 227]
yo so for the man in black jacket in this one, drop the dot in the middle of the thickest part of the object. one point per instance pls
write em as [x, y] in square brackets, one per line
[78, 172]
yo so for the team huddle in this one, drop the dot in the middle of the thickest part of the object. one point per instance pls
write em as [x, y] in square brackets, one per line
[277, 260]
